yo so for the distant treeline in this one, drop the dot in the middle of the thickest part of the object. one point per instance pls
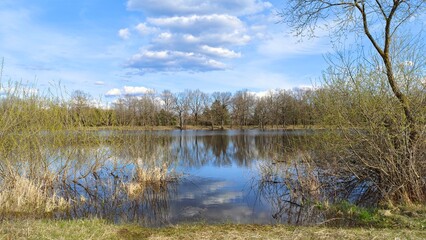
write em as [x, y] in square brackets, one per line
[278, 108]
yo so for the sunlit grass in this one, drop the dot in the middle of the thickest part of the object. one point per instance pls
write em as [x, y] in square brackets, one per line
[98, 229]
[22, 196]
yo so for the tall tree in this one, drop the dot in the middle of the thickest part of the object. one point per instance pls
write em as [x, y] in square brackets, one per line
[373, 98]
[80, 106]
[242, 107]
[181, 106]
[166, 114]
[220, 106]
[378, 20]
[197, 99]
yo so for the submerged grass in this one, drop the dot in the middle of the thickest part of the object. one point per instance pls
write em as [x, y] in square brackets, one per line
[155, 178]
[98, 229]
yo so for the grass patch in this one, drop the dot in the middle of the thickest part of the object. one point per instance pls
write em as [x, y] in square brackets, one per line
[403, 217]
[98, 229]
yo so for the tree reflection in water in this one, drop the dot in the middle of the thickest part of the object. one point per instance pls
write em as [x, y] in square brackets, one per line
[130, 176]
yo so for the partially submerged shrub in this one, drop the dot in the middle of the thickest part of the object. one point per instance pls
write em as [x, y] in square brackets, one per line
[300, 178]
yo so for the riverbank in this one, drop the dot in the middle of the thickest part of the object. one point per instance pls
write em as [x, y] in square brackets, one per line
[98, 229]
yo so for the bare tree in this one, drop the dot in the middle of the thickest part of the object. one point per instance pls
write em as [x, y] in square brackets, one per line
[378, 20]
[147, 109]
[80, 105]
[166, 113]
[197, 99]
[242, 107]
[375, 96]
[181, 106]
[261, 112]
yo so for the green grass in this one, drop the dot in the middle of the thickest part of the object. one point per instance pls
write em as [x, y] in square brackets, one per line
[401, 217]
[98, 229]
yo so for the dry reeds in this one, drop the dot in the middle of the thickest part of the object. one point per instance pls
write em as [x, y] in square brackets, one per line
[155, 178]
[299, 176]
[21, 196]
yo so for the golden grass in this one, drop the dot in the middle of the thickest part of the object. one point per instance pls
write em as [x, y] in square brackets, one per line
[98, 229]
[20, 195]
[155, 178]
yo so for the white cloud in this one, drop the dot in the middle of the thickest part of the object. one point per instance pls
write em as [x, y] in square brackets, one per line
[128, 90]
[99, 83]
[165, 36]
[189, 42]
[143, 29]
[262, 94]
[135, 91]
[194, 35]
[190, 38]
[113, 92]
[195, 43]
[198, 23]
[172, 61]
[232, 38]
[124, 33]
[185, 7]
[220, 52]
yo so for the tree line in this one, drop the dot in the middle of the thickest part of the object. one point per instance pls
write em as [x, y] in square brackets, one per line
[278, 108]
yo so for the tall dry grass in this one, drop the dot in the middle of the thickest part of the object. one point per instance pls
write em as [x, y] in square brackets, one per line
[32, 127]
[23, 196]
[155, 178]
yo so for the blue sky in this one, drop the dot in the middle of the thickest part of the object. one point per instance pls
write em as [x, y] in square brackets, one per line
[108, 48]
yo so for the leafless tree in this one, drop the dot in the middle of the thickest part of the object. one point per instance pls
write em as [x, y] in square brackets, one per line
[181, 106]
[166, 113]
[197, 99]
[242, 107]
[374, 94]
[379, 21]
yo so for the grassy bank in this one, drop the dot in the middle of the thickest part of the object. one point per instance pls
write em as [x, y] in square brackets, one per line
[98, 229]
[358, 223]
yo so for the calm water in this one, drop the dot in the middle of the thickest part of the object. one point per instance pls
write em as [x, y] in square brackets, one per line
[224, 176]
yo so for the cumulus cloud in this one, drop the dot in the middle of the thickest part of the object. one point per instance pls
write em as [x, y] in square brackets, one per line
[220, 52]
[198, 23]
[124, 33]
[113, 93]
[128, 90]
[136, 91]
[143, 29]
[193, 35]
[185, 7]
[171, 61]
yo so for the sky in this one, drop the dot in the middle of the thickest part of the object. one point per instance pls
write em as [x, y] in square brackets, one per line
[109, 48]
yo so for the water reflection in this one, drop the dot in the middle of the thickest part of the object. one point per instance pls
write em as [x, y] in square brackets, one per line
[220, 176]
